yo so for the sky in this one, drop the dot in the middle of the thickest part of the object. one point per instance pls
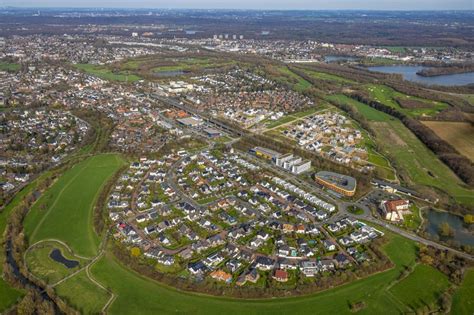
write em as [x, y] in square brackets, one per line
[256, 4]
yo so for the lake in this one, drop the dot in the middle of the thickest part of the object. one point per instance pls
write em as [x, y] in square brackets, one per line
[334, 58]
[57, 256]
[461, 233]
[409, 74]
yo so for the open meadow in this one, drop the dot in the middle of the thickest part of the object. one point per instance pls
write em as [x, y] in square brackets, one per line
[64, 212]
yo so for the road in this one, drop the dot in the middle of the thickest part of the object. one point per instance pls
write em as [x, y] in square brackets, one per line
[341, 204]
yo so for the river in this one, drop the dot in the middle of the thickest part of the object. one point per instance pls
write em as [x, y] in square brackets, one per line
[409, 74]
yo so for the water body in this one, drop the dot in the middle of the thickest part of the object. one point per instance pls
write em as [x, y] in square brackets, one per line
[334, 58]
[166, 74]
[409, 74]
[57, 256]
[461, 233]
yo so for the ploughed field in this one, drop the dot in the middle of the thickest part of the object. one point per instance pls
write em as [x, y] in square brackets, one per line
[459, 134]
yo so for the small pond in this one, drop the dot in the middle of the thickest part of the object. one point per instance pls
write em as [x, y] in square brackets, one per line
[461, 232]
[409, 74]
[165, 74]
[57, 256]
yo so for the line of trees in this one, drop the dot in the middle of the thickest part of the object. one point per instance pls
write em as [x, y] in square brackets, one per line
[459, 164]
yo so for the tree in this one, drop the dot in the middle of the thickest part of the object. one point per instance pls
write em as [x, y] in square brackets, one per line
[445, 230]
[135, 251]
[469, 219]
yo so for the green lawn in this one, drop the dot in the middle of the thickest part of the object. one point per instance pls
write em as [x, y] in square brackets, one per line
[463, 301]
[8, 295]
[421, 287]
[7, 66]
[136, 292]
[289, 76]
[106, 73]
[84, 295]
[388, 96]
[368, 112]
[64, 212]
[328, 77]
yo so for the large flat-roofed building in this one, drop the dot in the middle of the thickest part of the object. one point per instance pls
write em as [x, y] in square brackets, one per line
[339, 183]
[190, 121]
[301, 167]
[265, 153]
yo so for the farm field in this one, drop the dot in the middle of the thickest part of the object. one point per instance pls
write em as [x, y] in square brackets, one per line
[421, 287]
[64, 212]
[459, 134]
[106, 74]
[462, 299]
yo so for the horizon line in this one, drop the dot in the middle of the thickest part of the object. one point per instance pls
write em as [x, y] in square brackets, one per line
[233, 9]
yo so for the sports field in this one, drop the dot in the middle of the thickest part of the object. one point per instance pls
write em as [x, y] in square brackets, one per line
[459, 134]
[64, 212]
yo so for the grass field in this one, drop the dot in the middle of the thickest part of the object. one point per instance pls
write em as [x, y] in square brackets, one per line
[84, 295]
[328, 77]
[421, 287]
[64, 212]
[463, 303]
[105, 73]
[6, 66]
[418, 162]
[459, 134]
[387, 96]
[290, 77]
[368, 112]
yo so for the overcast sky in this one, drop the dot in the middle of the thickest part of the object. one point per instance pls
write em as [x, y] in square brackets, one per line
[255, 4]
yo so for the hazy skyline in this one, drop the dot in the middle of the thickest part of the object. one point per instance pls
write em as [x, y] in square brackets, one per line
[256, 4]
